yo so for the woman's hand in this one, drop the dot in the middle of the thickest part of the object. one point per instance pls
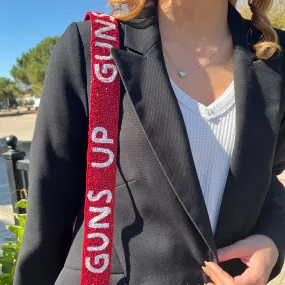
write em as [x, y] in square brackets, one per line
[258, 252]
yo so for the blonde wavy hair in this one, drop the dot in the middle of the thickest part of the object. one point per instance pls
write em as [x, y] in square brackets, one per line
[265, 48]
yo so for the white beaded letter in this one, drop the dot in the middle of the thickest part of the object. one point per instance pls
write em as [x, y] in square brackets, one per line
[103, 164]
[105, 241]
[104, 257]
[104, 212]
[96, 198]
[105, 69]
[104, 138]
[109, 27]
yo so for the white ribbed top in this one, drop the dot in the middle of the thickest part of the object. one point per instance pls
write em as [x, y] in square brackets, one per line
[211, 132]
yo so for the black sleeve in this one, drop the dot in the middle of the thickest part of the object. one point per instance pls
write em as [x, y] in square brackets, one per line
[57, 164]
[272, 219]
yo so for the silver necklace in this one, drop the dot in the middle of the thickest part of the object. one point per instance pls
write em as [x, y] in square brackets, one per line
[183, 74]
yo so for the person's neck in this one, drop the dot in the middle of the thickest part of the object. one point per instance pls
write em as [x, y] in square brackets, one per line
[201, 21]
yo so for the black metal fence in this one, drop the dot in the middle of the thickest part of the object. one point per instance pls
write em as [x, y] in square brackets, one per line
[17, 170]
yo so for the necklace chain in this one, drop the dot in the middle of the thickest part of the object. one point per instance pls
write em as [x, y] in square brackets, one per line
[184, 74]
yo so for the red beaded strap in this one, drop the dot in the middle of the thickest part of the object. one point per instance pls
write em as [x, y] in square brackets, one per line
[102, 152]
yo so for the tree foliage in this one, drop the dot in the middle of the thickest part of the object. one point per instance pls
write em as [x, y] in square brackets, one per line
[29, 70]
[276, 14]
[8, 88]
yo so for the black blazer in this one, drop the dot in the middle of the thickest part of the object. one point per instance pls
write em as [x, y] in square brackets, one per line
[162, 230]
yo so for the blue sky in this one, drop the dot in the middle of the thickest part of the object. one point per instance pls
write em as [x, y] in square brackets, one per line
[24, 23]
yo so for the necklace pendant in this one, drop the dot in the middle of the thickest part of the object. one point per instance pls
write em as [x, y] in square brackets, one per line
[182, 74]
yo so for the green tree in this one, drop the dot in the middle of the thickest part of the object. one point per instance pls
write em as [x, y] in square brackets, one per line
[29, 70]
[8, 89]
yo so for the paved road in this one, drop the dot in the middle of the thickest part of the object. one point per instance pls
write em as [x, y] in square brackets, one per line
[21, 125]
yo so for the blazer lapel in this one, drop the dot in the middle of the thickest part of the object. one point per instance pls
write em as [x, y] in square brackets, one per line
[146, 81]
[257, 87]
[144, 76]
